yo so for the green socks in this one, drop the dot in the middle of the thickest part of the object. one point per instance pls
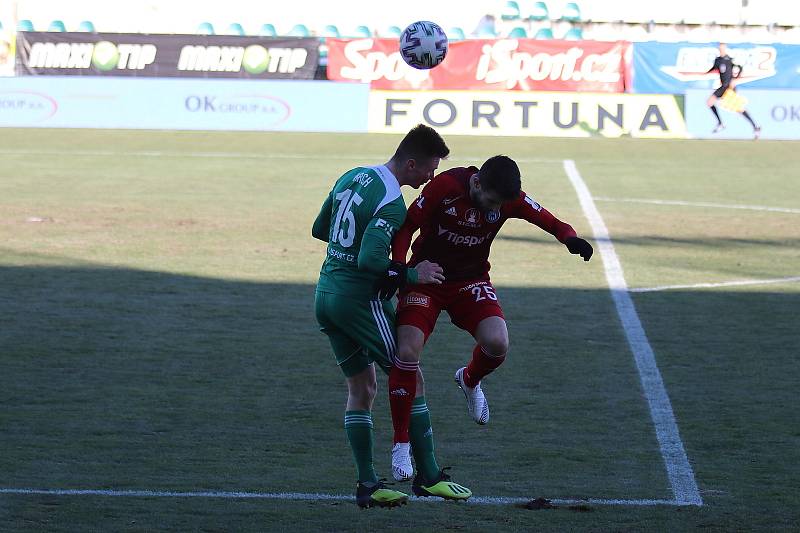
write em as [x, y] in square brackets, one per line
[421, 435]
[358, 426]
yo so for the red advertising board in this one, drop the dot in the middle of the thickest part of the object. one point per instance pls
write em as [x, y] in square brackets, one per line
[481, 64]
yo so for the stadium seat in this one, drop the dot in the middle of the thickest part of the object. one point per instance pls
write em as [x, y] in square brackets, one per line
[25, 25]
[331, 30]
[299, 30]
[573, 34]
[86, 26]
[485, 33]
[57, 26]
[510, 11]
[455, 33]
[538, 11]
[571, 12]
[205, 28]
[234, 28]
[267, 30]
[393, 31]
[544, 33]
[518, 33]
[360, 32]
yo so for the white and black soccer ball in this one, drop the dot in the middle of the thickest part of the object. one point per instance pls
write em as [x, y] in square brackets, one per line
[423, 45]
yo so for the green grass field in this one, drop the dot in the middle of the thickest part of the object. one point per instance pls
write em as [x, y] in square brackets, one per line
[157, 334]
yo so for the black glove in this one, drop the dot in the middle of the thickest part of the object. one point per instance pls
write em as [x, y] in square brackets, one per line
[394, 279]
[576, 245]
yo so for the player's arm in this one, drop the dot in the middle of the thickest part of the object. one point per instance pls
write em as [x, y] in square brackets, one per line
[322, 225]
[715, 66]
[377, 240]
[528, 209]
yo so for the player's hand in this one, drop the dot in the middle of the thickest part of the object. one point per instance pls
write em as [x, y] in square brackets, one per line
[392, 281]
[576, 245]
[429, 273]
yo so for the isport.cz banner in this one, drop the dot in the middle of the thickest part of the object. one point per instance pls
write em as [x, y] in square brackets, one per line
[169, 56]
[481, 64]
[672, 68]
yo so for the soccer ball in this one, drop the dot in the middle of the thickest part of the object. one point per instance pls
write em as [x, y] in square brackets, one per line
[423, 45]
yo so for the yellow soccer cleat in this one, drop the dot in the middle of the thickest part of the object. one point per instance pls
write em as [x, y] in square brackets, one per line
[441, 487]
[375, 494]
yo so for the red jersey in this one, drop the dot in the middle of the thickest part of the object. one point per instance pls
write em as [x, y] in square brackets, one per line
[456, 234]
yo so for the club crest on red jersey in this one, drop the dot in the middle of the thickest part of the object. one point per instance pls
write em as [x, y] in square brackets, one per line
[471, 216]
[492, 216]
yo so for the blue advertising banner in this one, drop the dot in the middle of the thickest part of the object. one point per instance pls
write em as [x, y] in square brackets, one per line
[777, 112]
[673, 68]
[183, 104]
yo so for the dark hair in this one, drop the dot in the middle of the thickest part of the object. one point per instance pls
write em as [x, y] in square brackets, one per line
[422, 142]
[500, 174]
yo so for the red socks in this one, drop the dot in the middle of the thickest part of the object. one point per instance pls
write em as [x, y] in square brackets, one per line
[402, 390]
[481, 365]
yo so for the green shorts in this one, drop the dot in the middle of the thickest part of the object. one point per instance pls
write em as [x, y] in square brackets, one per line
[360, 331]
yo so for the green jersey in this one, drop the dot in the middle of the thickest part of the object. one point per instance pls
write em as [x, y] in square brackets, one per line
[358, 220]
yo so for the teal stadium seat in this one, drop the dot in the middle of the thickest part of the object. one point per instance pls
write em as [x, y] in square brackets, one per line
[510, 10]
[361, 32]
[234, 28]
[393, 32]
[486, 33]
[57, 26]
[571, 12]
[574, 34]
[518, 33]
[86, 26]
[25, 25]
[544, 34]
[299, 30]
[331, 30]
[455, 33]
[267, 30]
[538, 11]
[205, 28]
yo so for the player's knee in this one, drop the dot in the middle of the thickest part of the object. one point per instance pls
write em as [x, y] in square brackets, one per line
[495, 346]
[408, 353]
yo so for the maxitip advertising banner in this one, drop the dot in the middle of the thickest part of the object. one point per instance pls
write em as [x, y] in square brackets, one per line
[673, 68]
[552, 114]
[7, 54]
[166, 56]
[482, 64]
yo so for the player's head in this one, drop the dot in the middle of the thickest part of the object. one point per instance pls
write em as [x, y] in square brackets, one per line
[497, 181]
[723, 49]
[418, 156]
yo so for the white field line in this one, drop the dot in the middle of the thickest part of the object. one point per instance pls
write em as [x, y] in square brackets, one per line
[699, 204]
[679, 471]
[233, 155]
[302, 496]
[737, 283]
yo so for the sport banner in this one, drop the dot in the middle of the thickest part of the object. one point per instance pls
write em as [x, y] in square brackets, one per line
[672, 68]
[512, 113]
[205, 56]
[482, 64]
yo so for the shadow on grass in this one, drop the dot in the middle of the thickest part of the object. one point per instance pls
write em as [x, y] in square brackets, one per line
[147, 380]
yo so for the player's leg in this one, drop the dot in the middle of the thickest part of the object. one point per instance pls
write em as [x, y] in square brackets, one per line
[355, 363]
[417, 314]
[712, 100]
[430, 479]
[477, 310]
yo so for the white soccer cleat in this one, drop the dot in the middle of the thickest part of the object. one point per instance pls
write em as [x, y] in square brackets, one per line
[477, 405]
[718, 128]
[402, 470]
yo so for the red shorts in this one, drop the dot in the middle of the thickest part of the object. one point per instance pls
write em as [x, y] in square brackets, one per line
[467, 303]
